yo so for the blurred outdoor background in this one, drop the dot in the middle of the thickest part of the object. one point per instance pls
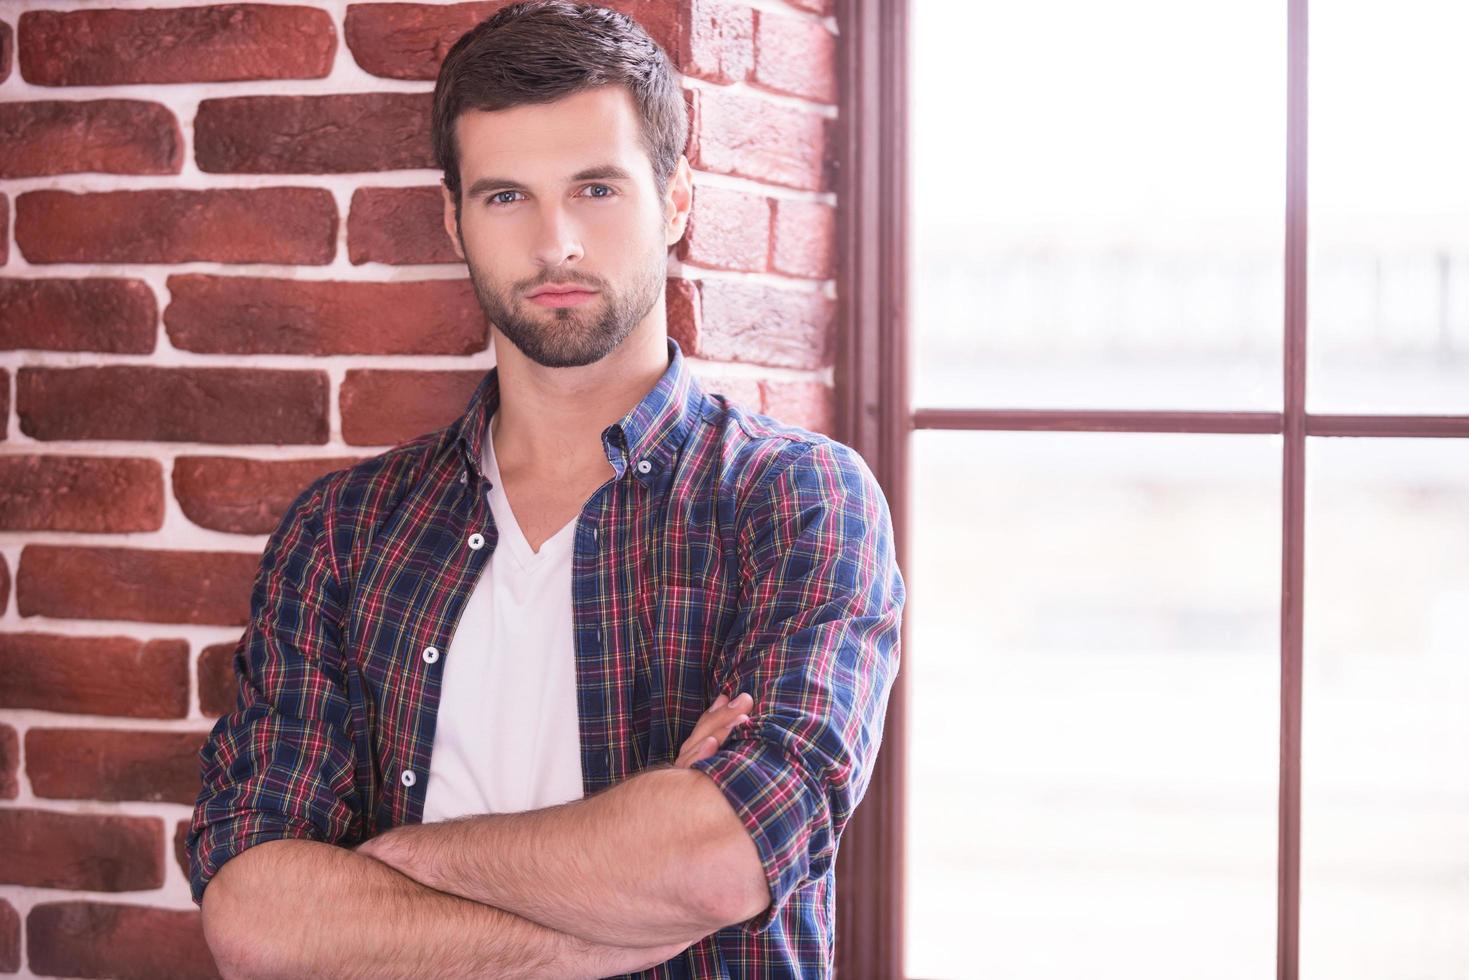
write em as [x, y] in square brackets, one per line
[1098, 222]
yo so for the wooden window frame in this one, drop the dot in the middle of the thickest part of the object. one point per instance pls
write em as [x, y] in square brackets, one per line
[874, 416]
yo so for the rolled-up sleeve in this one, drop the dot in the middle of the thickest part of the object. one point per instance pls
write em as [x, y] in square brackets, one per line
[282, 763]
[816, 644]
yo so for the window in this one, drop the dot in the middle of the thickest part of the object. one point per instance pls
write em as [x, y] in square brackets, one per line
[1187, 652]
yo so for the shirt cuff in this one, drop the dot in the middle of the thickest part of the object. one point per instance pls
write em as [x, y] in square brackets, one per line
[220, 841]
[778, 804]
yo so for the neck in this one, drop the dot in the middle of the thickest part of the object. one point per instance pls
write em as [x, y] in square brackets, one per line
[549, 421]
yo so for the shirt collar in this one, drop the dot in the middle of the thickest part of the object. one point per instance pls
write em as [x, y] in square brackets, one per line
[643, 442]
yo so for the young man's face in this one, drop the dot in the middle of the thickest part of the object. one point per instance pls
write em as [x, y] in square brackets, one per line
[561, 194]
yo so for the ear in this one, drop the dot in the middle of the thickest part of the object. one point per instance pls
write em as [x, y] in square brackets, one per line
[451, 225]
[678, 202]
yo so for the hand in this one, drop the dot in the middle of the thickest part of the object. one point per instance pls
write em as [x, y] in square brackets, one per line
[381, 845]
[713, 728]
[366, 847]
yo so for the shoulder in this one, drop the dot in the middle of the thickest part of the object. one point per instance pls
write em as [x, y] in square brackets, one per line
[765, 461]
[346, 506]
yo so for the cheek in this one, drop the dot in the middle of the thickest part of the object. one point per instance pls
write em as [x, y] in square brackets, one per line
[621, 247]
[613, 227]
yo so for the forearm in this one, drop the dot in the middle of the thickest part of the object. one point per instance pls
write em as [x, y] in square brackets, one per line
[298, 908]
[659, 858]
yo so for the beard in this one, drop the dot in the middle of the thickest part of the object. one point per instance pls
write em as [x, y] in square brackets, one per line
[571, 336]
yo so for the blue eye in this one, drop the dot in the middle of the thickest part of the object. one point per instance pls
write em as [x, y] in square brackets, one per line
[491, 201]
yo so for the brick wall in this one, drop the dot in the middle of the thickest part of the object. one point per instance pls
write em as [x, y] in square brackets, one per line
[222, 273]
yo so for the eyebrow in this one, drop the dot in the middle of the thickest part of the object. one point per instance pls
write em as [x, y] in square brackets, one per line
[606, 171]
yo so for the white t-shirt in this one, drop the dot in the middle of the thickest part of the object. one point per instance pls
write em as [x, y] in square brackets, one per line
[506, 737]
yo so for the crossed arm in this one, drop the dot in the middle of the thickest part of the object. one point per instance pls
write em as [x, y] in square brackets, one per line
[660, 858]
[428, 898]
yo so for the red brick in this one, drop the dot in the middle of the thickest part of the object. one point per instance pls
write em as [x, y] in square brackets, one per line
[106, 939]
[115, 316]
[108, 136]
[245, 496]
[756, 138]
[80, 493]
[398, 226]
[744, 392]
[9, 920]
[9, 932]
[727, 230]
[9, 763]
[159, 404]
[410, 40]
[218, 686]
[114, 764]
[143, 584]
[314, 134]
[7, 42]
[286, 225]
[805, 239]
[4, 223]
[795, 56]
[94, 675]
[4, 585]
[681, 297]
[50, 849]
[744, 321]
[386, 408]
[808, 404]
[719, 42]
[246, 315]
[218, 43]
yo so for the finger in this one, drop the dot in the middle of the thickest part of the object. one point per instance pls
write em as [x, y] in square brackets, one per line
[719, 715]
[719, 720]
[704, 748]
[722, 722]
[714, 740]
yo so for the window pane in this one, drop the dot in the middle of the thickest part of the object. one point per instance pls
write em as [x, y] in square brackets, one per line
[1098, 203]
[1385, 744]
[1094, 676]
[1389, 255]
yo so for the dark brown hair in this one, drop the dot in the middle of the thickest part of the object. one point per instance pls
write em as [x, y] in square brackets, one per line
[539, 51]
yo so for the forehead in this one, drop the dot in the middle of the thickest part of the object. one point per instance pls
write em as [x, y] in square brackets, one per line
[551, 140]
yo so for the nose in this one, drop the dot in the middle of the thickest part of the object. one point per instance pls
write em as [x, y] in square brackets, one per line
[559, 239]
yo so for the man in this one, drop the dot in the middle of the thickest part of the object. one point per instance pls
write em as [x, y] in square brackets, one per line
[589, 681]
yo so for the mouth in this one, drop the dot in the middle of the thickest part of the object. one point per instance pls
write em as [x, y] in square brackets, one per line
[571, 298]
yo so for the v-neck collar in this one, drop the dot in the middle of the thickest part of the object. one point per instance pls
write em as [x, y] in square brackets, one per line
[652, 433]
[510, 533]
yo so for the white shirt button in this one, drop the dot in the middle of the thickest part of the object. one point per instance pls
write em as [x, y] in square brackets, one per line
[430, 655]
[476, 541]
[644, 466]
[409, 778]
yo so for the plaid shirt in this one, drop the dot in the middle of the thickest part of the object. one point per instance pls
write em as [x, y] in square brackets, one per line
[728, 553]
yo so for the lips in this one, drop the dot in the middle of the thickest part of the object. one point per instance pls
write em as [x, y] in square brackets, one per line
[569, 298]
[553, 292]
